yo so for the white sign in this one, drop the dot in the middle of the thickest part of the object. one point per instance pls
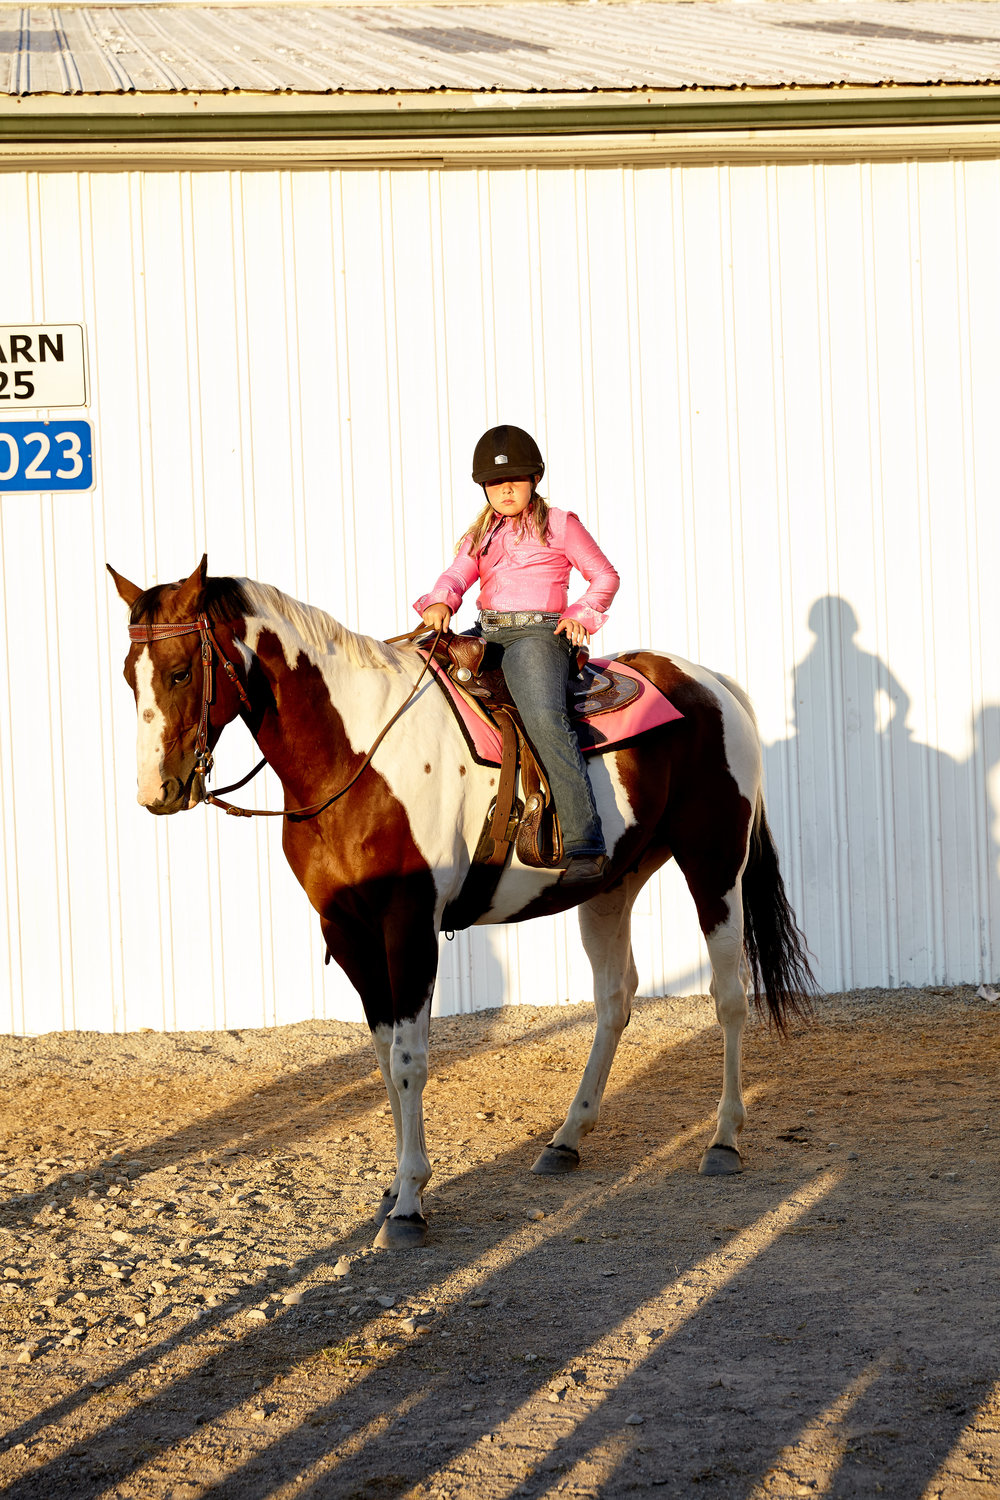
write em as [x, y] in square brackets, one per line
[42, 364]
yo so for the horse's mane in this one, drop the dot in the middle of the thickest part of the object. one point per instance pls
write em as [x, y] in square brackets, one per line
[317, 628]
[226, 599]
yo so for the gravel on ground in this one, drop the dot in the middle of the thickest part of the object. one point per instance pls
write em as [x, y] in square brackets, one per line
[190, 1305]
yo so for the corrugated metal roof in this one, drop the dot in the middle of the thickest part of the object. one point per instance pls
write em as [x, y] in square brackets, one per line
[552, 47]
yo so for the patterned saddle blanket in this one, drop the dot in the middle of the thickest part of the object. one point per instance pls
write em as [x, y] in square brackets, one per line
[598, 728]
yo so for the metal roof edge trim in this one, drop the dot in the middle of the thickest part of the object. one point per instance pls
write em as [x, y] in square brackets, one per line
[934, 142]
[407, 101]
[204, 118]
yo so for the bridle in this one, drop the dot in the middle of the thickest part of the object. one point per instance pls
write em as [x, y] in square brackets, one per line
[203, 758]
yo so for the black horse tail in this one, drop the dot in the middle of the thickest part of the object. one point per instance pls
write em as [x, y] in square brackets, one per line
[775, 947]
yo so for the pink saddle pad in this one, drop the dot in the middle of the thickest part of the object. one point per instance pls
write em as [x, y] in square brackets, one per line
[598, 732]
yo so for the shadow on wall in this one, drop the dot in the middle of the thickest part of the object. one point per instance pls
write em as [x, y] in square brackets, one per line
[899, 869]
[889, 846]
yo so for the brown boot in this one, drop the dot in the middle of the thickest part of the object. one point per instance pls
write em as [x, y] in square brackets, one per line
[585, 869]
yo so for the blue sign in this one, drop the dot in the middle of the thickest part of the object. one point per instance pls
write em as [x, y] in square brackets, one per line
[54, 454]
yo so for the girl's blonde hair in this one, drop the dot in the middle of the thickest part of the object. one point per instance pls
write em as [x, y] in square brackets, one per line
[535, 518]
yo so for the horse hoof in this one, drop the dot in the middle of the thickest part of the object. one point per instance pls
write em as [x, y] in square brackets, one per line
[402, 1233]
[556, 1159]
[720, 1161]
[384, 1209]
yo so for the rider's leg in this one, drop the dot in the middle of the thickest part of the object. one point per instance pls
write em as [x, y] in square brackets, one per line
[536, 666]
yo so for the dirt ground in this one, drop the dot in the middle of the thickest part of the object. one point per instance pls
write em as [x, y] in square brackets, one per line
[190, 1307]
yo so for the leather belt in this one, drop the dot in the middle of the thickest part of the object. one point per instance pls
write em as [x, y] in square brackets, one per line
[495, 619]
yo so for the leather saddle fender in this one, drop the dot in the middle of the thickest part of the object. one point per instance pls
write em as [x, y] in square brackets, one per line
[474, 664]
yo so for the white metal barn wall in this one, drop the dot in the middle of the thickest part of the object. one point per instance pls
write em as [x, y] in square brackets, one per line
[770, 390]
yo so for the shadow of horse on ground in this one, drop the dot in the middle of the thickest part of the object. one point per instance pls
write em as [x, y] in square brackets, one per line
[819, 1321]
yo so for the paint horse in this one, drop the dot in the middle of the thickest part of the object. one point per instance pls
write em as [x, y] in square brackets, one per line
[382, 862]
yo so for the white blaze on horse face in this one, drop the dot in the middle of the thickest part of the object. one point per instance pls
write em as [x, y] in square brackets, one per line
[149, 742]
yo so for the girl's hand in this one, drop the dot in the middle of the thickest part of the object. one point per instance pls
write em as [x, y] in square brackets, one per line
[437, 616]
[576, 632]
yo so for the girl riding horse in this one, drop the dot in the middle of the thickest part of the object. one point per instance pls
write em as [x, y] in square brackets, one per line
[522, 551]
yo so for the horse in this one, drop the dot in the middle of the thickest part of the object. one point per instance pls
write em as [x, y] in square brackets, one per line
[382, 843]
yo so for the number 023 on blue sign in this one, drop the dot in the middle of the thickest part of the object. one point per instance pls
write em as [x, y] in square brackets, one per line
[50, 455]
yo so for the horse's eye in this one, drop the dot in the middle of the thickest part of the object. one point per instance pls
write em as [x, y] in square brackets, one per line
[180, 678]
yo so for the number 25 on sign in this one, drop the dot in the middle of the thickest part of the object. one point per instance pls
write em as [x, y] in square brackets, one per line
[57, 455]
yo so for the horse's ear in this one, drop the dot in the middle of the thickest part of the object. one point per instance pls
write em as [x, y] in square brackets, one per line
[190, 589]
[130, 592]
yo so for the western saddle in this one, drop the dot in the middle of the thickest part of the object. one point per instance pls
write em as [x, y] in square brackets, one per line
[529, 822]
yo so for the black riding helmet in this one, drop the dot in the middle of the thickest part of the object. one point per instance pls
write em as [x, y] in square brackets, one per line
[506, 453]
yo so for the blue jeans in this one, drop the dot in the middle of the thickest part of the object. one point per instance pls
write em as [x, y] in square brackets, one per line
[536, 665]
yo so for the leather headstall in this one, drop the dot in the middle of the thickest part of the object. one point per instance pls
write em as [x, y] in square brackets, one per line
[203, 759]
[210, 649]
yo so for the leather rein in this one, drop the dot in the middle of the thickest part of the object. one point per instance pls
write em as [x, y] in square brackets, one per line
[203, 758]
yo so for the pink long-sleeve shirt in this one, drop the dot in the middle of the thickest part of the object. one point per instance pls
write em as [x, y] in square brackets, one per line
[518, 572]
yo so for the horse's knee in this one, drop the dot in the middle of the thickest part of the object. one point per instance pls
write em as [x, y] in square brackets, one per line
[731, 1006]
[408, 1070]
[408, 1060]
[614, 1010]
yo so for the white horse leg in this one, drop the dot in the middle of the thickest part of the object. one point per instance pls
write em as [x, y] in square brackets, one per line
[605, 926]
[382, 1037]
[729, 991]
[405, 1224]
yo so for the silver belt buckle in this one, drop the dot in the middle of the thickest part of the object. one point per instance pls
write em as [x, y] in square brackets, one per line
[492, 620]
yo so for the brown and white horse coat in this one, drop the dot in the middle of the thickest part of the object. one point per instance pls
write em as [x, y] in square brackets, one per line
[382, 864]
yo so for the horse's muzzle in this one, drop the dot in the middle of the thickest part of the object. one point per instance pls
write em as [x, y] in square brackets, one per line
[176, 796]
